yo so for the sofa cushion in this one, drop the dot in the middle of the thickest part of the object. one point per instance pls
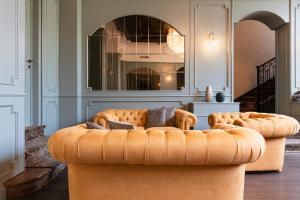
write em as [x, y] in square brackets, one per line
[165, 128]
[156, 117]
[92, 125]
[120, 125]
[170, 116]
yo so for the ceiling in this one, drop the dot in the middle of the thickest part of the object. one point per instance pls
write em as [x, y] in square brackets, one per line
[138, 28]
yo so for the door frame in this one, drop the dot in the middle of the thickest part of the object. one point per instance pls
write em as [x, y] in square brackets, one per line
[33, 27]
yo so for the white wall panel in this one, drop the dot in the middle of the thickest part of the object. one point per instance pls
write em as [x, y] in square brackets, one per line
[50, 114]
[12, 47]
[50, 25]
[297, 46]
[50, 65]
[212, 57]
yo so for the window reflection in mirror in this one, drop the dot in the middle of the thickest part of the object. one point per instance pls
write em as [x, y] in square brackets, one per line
[136, 53]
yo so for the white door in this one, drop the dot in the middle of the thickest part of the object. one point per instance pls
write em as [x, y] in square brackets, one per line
[12, 90]
[282, 70]
[29, 64]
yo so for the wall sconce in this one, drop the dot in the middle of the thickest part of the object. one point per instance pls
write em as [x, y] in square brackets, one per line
[169, 78]
[212, 40]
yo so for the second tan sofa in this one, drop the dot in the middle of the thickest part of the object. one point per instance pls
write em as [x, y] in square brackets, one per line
[157, 164]
[184, 120]
[273, 127]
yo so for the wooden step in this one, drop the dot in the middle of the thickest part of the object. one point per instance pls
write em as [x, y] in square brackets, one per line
[31, 180]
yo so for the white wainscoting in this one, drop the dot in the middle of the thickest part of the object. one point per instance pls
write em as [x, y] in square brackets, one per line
[296, 45]
[50, 115]
[12, 56]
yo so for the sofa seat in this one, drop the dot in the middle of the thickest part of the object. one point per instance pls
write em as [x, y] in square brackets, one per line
[273, 127]
[184, 120]
[156, 164]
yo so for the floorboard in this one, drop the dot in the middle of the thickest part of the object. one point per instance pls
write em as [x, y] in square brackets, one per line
[258, 186]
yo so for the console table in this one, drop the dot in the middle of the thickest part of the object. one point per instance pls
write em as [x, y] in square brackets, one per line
[203, 109]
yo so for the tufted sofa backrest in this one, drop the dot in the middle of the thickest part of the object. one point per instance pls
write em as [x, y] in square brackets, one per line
[138, 117]
[225, 118]
[269, 125]
[78, 144]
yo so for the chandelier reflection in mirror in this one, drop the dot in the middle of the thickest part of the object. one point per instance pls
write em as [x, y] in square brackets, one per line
[136, 53]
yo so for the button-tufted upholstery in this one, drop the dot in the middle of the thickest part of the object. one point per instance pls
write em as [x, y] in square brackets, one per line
[156, 164]
[269, 125]
[273, 127]
[156, 147]
[183, 119]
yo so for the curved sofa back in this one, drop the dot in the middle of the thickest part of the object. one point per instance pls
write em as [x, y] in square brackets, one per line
[183, 119]
[136, 117]
[141, 147]
[269, 125]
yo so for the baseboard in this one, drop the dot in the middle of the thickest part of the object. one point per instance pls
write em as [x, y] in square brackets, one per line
[292, 152]
[2, 193]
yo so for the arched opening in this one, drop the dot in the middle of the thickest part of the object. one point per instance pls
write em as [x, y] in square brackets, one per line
[143, 79]
[261, 62]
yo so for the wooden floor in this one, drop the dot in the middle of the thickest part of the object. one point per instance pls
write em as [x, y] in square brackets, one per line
[261, 186]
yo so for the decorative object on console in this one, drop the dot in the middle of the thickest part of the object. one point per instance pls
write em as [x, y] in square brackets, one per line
[92, 125]
[296, 96]
[208, 94]
[120, 125]
[220, 97]
[156, 117]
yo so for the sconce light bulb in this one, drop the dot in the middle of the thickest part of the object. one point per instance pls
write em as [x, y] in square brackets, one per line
[169, 78]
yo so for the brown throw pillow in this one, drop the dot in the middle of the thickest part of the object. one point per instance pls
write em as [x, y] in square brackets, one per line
[156, 117]
[170, 116]
[120, 125]
[91, 125]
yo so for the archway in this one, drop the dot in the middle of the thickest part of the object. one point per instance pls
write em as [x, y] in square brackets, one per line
[271, 77]
[143, 79]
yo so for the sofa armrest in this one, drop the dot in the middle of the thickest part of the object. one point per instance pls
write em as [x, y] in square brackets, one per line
[102, 119]
[78, 145]
[271, 126]
[184, 119]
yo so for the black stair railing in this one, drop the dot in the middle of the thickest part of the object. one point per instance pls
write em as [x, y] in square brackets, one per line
[265, 72]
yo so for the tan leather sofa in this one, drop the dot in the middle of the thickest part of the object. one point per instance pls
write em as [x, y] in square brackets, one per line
[158, 164]
[184, 120]
[273, 127]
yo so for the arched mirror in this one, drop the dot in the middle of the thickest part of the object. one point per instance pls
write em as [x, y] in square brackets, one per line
[136, 53]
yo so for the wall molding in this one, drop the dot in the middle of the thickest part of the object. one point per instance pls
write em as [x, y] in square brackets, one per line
[16, 135]
[227, 6]
[296, 49]
[47, 118]
[50, 86]
[15, 74]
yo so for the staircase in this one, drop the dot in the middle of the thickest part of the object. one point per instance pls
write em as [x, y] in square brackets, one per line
[262, 97]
